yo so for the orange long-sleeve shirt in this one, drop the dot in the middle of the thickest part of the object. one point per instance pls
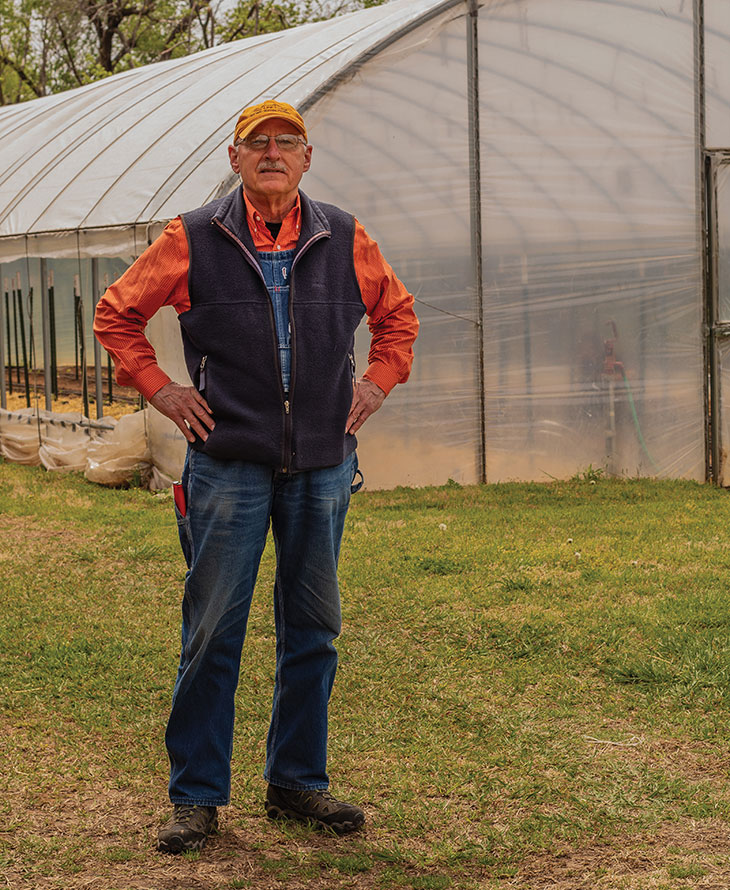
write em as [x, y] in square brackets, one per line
[159, 277]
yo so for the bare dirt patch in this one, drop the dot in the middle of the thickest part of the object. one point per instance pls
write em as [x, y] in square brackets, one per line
[19, 533]
[691, 854]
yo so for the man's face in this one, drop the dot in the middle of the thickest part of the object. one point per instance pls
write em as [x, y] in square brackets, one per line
[271, 173]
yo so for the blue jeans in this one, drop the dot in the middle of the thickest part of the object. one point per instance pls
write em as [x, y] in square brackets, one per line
[229, 507]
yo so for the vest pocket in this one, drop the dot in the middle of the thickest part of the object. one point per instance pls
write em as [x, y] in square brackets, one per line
[201, 374]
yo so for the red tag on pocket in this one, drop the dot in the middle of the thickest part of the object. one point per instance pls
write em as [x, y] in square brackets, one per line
[178, 492]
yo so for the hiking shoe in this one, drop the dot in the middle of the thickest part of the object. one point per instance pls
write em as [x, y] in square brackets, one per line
[187, 828]
[318, 807]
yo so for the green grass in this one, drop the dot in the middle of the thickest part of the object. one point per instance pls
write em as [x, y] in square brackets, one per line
[530, 676]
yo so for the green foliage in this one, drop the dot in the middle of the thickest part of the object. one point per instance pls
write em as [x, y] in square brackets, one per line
[47, 46]
[590, 474]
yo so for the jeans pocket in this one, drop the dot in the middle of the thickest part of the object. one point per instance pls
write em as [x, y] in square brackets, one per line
[356, 471]
[180, 500]
[185, 535]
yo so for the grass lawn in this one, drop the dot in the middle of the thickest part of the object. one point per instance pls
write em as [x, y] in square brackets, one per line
[534, 692]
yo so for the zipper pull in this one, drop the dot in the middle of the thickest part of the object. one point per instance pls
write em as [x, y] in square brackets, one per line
[201, 378]
[286, 406]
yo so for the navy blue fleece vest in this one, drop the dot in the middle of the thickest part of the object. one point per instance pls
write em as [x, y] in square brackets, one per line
[230, 343]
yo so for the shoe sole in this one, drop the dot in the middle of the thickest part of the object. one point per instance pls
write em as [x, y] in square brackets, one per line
[274, 812]
[176, 845]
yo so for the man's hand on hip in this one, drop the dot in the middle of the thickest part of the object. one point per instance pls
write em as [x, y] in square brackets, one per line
[366, 400]
[186, 408]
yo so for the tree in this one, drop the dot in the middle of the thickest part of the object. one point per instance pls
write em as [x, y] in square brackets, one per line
[51, 45]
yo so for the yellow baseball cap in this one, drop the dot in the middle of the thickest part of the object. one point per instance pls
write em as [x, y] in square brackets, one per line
[254, 115]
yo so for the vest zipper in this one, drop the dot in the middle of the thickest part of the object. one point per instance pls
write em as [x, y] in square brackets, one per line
[288, 404]
[287, 436]
[287, 399]
[201, 374]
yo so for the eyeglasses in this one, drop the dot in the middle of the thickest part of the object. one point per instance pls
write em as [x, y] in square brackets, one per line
[260, 142]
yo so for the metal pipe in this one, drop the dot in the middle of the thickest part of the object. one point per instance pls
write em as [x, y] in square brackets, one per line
[527, 351]
[76, 325]
[703, 186]
[82, 343]
[46, 330]
[475, 214]
[711, 310]
[109, 366]
[54, 347]
[3, 395]
[97, 346]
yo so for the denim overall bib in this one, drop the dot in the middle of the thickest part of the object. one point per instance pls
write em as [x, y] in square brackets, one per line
[276, 266]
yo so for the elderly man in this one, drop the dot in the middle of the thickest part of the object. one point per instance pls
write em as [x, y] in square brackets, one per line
[269, 287]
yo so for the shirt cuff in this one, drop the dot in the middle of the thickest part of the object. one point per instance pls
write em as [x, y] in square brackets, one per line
[150, 381]
[382, 375]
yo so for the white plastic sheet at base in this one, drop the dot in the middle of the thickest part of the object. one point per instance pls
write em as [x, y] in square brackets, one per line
[121, 453]
[66, 442]
[20, 437]
[65, 447]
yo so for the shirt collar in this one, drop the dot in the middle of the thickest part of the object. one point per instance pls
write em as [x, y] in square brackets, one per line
[290, 226]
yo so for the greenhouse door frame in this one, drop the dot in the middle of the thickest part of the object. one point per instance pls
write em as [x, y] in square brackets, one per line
[718, 327]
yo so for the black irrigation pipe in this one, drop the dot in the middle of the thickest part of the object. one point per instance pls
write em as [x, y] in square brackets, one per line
[76, 328]
[26, 378]
[109, 363]
[15, 333]
[52, 329]
[29, 419]
[79, 326]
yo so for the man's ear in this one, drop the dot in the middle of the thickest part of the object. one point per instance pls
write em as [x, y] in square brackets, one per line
[307, 158]
[233, 158]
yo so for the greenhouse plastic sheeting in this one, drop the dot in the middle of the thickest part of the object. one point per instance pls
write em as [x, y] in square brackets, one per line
[392, 144]
[717, 72]
[146, 144]
[591, 234]
[581, 344]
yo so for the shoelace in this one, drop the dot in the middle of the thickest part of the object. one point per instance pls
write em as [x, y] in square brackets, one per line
[184, 814]
[313, 798]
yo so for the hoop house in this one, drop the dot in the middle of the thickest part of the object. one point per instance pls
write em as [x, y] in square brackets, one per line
[549, 177]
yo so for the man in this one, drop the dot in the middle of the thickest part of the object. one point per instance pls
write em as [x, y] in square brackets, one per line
[269, 287]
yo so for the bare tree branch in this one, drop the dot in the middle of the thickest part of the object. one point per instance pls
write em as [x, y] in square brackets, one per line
[69, 54]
